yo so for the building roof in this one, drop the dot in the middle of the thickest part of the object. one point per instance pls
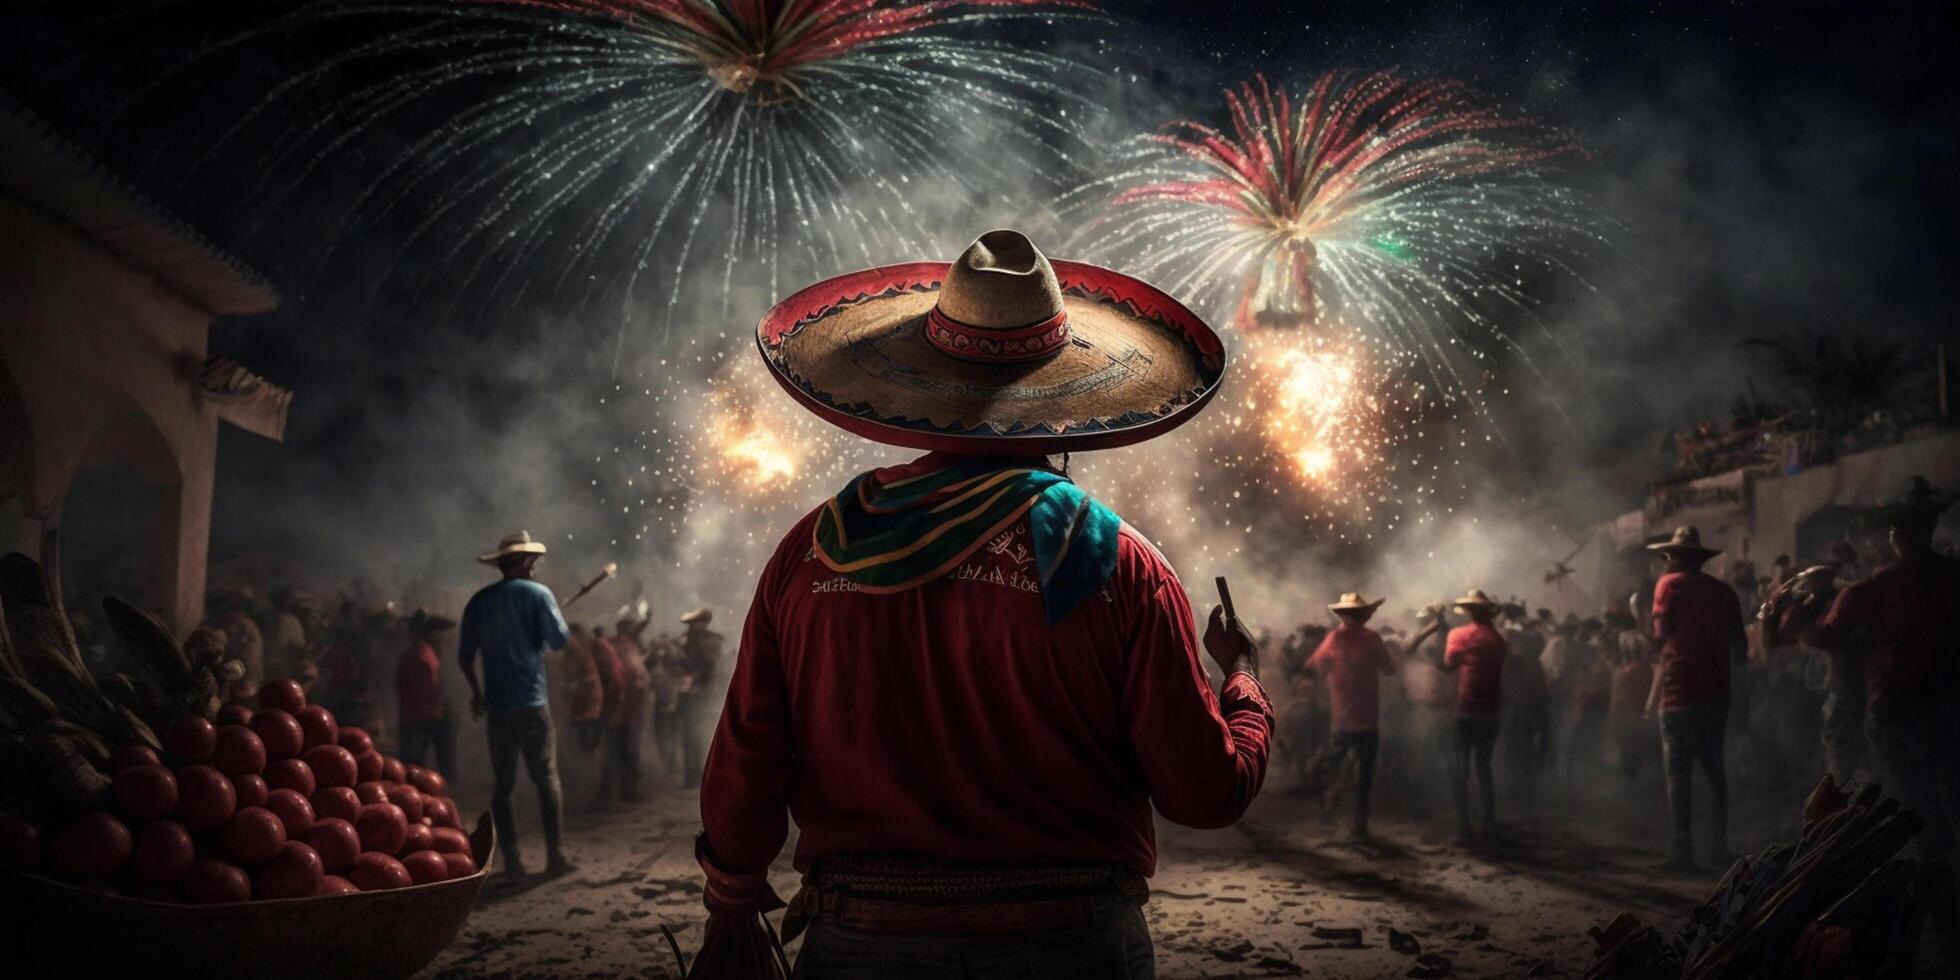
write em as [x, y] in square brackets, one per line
[41, 167]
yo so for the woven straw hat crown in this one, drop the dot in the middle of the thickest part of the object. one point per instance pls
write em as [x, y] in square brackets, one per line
[1000, 282]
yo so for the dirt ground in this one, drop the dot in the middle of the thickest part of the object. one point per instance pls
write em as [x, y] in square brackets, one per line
[1277, 895]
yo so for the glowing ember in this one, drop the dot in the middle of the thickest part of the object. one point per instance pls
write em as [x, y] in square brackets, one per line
[754, 454]
[1317, 412]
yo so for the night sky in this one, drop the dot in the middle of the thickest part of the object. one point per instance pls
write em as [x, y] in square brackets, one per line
[1771, 166]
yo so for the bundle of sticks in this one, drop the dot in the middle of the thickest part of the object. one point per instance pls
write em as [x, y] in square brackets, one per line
[1839, 893]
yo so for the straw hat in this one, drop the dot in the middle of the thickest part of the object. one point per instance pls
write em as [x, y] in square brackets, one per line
[1000, 351]
[1474, 599]
[1922, 502]
[1353, 602]
[423, 620]
[703, 615]
[1686, 539]
[514, 543]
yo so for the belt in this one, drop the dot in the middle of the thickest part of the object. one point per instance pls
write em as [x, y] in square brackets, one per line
[921, 896]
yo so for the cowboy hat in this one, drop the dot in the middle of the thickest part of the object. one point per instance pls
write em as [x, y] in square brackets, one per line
[703, 615]
[1000, 351]
[1922, 502]
[514, 543]
[1353, 602]
[422, 619]
[1687, 538]
[1475, 598]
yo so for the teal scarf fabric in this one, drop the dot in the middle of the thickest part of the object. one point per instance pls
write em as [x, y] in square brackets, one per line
[895, 529]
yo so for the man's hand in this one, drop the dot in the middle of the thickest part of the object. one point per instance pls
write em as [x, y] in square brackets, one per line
[1232, 648]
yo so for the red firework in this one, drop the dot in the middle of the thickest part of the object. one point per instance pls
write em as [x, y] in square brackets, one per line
[743, 42]
[1288, 183]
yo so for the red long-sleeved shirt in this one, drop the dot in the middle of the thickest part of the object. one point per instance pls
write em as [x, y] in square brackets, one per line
[951, 720]
[1698, 620]
[1476, 652]
[418, 683]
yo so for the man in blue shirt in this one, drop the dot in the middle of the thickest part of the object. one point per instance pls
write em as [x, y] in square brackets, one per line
[512, 624]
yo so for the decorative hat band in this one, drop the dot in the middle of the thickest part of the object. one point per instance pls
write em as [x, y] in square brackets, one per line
[990, 344]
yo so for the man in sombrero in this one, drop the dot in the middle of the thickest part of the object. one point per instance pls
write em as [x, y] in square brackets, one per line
[967, 680]
[1698, 621]
[1353, 659]
[1903, 627]
[1475, 652]
[510, 625]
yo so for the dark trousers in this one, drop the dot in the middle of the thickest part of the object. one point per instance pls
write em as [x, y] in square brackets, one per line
[526, 732]
[1115, 945]
[1913, 754]
[1844, 716]
[694, 737]
[620, 764]
[436, 737]
[1475, 740]
[1689, 735]
[1361, 747]
[667, 740]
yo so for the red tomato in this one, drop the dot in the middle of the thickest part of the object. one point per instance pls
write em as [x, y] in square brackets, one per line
[449, 840]
[293, 811]
[253, 835]
[251, 789]
[146, 792]
[382, 827]
[369, 765]
[460, 865]
[354, 739]
[234, 714]
[164, 851]
[336, 801]
[335, 885]
[425, 867]
[239, 750]
[292, 774]
[280, 732]
[441, 810]
[295, 872]
[132, 755]
[371, 792]
[318, 724]
[429, 781]
[419, 839]
[205, 798]
[93, 845]
[331, 765]
[282, 693]
[336, 841]
[191, 740]
[392, 770]
[20, 843]
[211, 882]
[374, 871]
[408, 798]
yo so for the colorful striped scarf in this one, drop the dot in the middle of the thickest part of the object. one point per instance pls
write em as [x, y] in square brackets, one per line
[894, 529]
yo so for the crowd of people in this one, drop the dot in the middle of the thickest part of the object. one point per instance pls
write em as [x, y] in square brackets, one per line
[1532, 709]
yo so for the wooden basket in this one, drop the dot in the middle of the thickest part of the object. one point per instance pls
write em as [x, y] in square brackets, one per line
[62, 930]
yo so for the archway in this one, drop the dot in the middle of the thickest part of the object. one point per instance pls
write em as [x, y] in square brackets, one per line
[120, 524]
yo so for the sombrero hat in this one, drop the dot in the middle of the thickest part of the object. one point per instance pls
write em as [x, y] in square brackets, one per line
[1000, 351]
[1474, 599]
[1922, 502]
[1687, 539]
[1353, 602]
[514, 543]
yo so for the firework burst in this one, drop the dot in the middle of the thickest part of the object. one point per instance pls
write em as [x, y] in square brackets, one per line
[706, 147]
[1367, 230]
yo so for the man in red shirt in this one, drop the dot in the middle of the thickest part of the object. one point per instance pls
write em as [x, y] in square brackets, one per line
[612, 687]
[1475, 653]
[425, 728]
[1353, 659]
[966, 680]
[1902, 626]
[1699, 624]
